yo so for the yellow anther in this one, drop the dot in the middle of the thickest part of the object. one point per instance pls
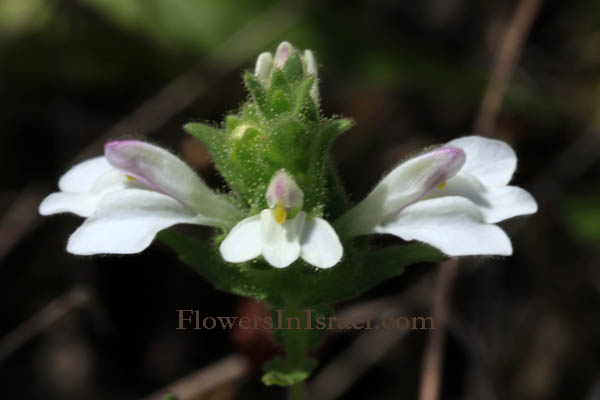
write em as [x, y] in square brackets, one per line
[280, 213]
[130, 178]
[441, 185]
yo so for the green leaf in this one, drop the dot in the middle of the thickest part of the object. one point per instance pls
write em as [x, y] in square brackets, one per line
[203, 258]
[277, 372]
[171, 396]
[390, 262]
[299, 284]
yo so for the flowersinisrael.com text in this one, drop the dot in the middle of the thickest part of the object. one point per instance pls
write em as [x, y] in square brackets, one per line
[193, 320]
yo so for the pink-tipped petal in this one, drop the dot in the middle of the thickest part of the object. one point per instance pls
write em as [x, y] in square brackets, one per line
[406, 184]
[284, 50]
[165, 173]
[283, 189]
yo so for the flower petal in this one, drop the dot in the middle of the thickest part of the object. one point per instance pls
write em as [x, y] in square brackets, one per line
[167, 174]
[321, 246]
[81, 177]
[491, 161]
[84, 204]
[284, 51]
[281, 242]
[244, 242]
[452, 224]
[496, 203]
[407, 183]
[127, 221]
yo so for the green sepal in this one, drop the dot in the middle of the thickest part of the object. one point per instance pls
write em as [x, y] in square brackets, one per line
[285, 142]
[250, 113]
[280, 103]
[279, 82]
[216, 142]
[292, 69]
[304, 105]
[259, 95]
[232, 122]
[334, 128]
[215, 139]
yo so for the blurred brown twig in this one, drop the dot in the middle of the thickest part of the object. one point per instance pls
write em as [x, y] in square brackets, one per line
[434, 349]
[510, 50]
[218, 380]
[76, 298]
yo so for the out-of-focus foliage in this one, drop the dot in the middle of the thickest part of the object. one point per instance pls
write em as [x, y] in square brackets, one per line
[582, 215]
[19, 17]
[194, 25]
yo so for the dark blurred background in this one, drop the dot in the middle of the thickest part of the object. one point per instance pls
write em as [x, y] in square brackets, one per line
[76, 73]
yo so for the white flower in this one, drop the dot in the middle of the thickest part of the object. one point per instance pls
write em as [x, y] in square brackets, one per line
[283, 232]
[449, 198]
[131, 193]
[265, 63]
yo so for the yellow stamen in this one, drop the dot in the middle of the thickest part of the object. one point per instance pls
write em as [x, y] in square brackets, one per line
[130, 178]
[280, 213]
[441, 185]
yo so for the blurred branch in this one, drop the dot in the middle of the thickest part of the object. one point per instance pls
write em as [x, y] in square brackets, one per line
[434, 348]
[577, 158]
[218, 380]
[368, 348]
[78, 297]
[510, 50]
[20, 218]
[371, 345]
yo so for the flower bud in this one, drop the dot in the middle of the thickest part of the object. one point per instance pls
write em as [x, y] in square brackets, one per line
[284, 196]
[264, 65]
[284, 50]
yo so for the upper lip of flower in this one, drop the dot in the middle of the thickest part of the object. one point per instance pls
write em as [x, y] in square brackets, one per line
[124, 215]
[404, 185]
[471, 175]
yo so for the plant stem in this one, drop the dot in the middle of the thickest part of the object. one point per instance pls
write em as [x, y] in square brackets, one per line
[297, 391]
